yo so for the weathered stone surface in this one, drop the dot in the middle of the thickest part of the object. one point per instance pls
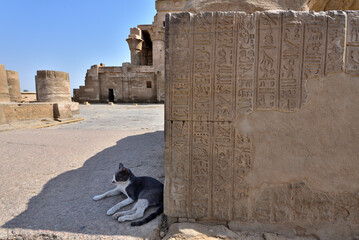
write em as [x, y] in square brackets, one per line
[62, 110]
[326, 5]
[262, 123]
[53, 86]
[248, 6]
[352, 60]
[14, 86]
[10, 112]
[4, 90]
[129, 83]
[28, 96]
[191, 231]
[199, 231]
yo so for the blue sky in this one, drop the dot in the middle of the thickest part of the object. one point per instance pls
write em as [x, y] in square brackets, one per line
[67, 35]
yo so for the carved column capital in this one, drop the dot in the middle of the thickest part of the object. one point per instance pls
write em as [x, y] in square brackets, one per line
[134, 43]
[135, 40]
[157, 33]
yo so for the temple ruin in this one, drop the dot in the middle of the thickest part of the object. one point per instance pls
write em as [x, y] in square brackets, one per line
[52, 101]
[261, 129]
[262, 121]
[142, 80]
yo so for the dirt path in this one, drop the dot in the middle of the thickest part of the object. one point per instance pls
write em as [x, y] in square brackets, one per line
[49, 176]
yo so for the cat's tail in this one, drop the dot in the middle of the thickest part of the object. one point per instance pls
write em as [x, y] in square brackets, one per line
[153, 215]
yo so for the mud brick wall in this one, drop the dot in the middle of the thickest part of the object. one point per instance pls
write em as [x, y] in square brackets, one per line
[262, 127]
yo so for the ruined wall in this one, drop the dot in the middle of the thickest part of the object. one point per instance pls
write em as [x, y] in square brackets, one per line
[110, 78]
[12, 112]
[141, 84]
[262, 121]
[129, 83]
[91, 91]
[28, 97]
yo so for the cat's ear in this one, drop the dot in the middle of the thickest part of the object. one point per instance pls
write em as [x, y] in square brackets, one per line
[121, 166]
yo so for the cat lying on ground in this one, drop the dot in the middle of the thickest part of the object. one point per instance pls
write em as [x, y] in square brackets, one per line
[147, 191]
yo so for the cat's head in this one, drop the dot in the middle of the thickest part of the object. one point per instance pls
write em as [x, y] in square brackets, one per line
[122, 175]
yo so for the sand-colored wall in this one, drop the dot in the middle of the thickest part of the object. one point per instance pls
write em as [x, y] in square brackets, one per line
[326, 5]
[10, 112]
[262, 125]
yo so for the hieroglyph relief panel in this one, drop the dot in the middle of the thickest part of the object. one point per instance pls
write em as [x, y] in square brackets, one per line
[352, 55]
[219, 68]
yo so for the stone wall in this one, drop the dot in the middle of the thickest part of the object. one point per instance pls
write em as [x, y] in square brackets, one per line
[11, 112]
[129, 83]
[262, 121]
[28, 97]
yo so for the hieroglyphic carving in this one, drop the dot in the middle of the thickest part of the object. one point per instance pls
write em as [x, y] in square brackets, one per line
[314, 45]
[311, 205]
[201, 155]
[180, 71]
[299, 203]
[290, 83]
[335, 42]
[222, 168]
[180, 109]
[269, 29]
[242, 164]
[352, 54]
[202, 67]
[245, 63]
[224, 67]
[180, 168]
[202, 112]
[314, 48]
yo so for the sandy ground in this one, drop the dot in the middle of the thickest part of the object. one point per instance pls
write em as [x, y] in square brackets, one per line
[49, 176]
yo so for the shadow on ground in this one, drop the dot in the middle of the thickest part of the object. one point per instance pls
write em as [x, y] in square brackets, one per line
[65, 202]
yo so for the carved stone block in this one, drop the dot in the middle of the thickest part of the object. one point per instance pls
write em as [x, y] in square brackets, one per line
[252, 136]
[352, 61]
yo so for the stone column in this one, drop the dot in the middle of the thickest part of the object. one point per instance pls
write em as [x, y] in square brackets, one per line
[4, 90]
[125, 82]
[53, 86]
[14, 86]
[158, 46]
[135, 41]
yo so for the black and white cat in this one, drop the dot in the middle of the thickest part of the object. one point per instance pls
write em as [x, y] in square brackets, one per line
[147, 191]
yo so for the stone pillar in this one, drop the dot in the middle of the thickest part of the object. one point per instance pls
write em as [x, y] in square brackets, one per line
[135, 41]
[125, 83]
[158, 46]
[14, 86]
[4, 90]
[53, 86]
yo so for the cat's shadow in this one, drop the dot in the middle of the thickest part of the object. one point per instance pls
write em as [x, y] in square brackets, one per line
[65, 202]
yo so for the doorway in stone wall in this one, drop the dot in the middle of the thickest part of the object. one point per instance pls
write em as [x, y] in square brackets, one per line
[111, 96]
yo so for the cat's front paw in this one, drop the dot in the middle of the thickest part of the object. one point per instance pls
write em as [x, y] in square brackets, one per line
[116, 215]
[122, 219]
[110, 212]
[97, 197]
